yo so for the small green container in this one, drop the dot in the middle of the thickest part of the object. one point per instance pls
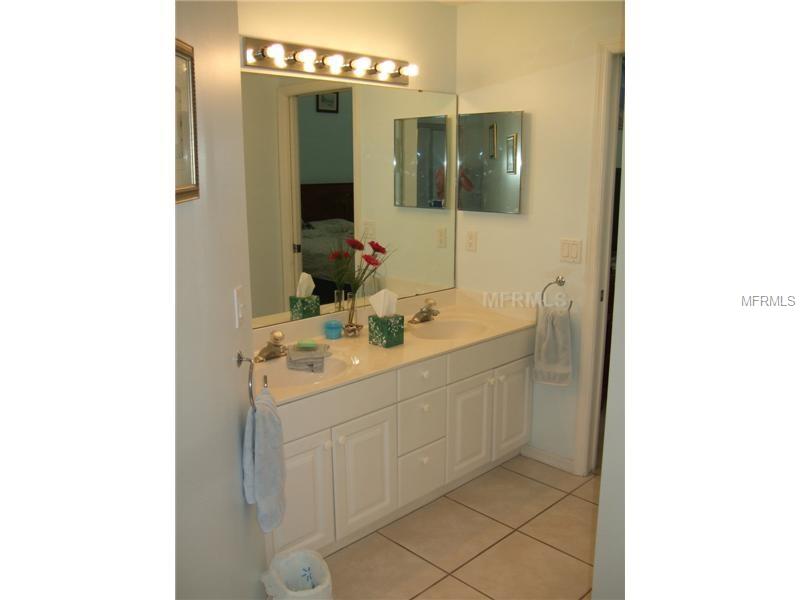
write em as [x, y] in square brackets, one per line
[303, 308]
[386, 331]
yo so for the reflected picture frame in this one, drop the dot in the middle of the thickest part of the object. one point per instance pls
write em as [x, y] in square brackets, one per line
[511, 153]
[328, 102]
[187, 183]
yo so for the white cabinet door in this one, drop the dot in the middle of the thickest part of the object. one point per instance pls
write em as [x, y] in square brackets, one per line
[512, 407]
[308, 520]
[365, 470]
[469, 424]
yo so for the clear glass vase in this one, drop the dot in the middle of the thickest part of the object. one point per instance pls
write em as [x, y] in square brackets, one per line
[352, 328]
[339, 300]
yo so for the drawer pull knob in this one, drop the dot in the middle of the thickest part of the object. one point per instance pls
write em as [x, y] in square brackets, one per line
[425, 460]
[502, 378]
[328, 445]
[426, 374]
[491, 381]
[342, 440]
[426, 408]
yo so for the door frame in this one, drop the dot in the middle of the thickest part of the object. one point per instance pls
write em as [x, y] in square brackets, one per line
[289, 173]
[598, 264]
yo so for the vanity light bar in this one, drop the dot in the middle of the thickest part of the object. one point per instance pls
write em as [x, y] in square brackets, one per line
[285, 56]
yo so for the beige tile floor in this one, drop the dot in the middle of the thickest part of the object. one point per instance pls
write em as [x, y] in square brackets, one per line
[522, 531]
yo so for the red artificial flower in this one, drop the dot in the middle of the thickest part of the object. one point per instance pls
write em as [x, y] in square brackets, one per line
[355, 244]
[378, 248]
[335, 255]
[346, 254]
[372, 260]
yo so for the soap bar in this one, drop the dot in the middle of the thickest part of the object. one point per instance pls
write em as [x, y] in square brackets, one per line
[306, 345]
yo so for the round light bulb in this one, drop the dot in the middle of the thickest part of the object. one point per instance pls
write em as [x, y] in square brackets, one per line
[362, 64]
[307, 56]
[409, 70]
[387, 66]
[280, 63]
[250, 56]
[276, 52]
[383, 76]
[334, 62]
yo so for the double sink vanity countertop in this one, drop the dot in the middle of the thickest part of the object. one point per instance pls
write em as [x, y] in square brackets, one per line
[353, 359]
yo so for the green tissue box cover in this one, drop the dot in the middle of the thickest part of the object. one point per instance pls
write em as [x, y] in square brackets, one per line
[302, 308]
[386, 331]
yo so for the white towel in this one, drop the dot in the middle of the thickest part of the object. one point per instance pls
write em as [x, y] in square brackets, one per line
[552, 354]
[262, 462]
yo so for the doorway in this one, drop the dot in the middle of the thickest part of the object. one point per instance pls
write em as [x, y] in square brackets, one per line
[612, 264]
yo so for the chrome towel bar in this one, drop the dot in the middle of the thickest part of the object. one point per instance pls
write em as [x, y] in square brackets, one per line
[240, 358]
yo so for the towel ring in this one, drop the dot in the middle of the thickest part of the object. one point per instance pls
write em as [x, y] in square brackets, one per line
[559, 281]
[240, 358]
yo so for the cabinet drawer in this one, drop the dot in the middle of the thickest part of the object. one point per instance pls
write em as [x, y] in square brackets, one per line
[324, 410]
[488, 355]
[421, 420]
[421, 377]
[422, 471]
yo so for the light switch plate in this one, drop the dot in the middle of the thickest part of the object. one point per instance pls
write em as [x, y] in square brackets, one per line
[472, 241]
[441, 237]
[238, 306]
[571, 250]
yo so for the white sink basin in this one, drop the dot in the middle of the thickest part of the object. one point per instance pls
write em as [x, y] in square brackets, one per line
[446, 329]
[279, 375]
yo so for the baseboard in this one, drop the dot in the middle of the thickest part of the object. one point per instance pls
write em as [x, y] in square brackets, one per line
[550, 458]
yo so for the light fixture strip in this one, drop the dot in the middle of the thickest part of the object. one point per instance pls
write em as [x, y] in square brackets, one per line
[311, 60]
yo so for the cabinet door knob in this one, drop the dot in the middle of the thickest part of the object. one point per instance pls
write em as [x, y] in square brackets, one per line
[426, 374]
[328, 445]
[491, 381]
[425, 460]
[342, 440]
[502, 378]
[426, 408]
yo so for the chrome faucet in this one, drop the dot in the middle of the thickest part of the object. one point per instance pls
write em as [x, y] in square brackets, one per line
[426, 313]
[275, 348]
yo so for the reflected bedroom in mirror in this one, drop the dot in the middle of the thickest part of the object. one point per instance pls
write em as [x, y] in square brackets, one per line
[322, 178]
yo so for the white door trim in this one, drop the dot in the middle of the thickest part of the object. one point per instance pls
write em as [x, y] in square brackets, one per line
[598, 256]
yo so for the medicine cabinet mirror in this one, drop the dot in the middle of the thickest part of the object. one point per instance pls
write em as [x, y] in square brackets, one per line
[490, 162]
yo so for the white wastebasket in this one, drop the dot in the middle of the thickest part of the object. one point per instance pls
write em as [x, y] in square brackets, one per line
[298, 574]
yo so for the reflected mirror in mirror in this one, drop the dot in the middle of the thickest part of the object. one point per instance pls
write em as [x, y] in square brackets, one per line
[420, 162]
[319, 169]
[490, 162]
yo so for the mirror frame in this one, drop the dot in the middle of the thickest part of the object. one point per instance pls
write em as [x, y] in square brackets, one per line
[191, 191]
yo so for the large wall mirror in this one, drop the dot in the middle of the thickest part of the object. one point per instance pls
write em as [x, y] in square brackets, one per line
[319, 168]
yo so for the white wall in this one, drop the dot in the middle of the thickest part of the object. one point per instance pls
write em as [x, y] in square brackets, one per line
[420, 32]
[260, 110]
[219, 547]
[552, 77]
[609, 571]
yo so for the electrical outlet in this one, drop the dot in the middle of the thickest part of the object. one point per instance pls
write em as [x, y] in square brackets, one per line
[238, 306]
[441, 237]
[571, 250]
[472, 241]
[369, 230]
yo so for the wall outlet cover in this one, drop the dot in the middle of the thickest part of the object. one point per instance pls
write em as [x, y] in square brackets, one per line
[472, 241]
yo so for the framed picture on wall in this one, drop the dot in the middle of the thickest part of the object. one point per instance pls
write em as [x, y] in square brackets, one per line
[186, 177]
[328, 103]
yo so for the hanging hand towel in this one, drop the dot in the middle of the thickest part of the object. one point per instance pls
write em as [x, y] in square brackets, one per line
[552, 354]
[262, 462]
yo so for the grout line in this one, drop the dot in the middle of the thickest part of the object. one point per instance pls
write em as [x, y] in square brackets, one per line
[430, 586]
[438, 568]
[586, 594]
[479, 512]
[585, 500]
[510, 533]
[559, 549]
[547, 484]
[472, 586]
